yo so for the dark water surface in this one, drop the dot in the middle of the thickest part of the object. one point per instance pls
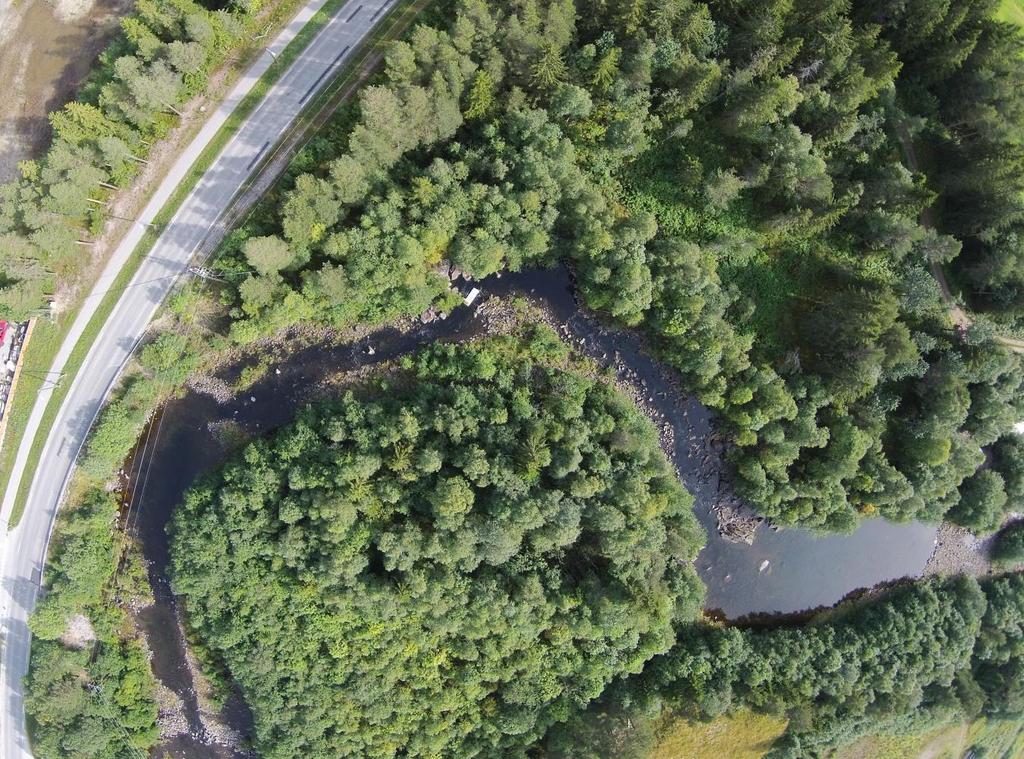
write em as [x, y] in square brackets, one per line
[804, 570]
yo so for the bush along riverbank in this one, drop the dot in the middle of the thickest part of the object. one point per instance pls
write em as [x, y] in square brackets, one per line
[89, 672]
[89, 692]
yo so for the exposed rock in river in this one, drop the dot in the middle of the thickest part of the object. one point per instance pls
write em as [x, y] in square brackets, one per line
[736, 523]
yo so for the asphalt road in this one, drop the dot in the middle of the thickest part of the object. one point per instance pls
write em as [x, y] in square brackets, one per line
[24, 550]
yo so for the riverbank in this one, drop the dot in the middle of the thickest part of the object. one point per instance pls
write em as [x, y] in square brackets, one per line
[251, 394]
[960, 551]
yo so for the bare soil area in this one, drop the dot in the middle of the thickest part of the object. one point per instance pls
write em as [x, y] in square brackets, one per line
[79, 633]
[47, 48]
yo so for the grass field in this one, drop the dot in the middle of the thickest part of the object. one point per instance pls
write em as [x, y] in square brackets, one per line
[743, 736]
[991, 739]
[945, 743]
[1012, 11]
[749, 736]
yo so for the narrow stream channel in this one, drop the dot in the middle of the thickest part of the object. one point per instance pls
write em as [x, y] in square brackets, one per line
[804, 570]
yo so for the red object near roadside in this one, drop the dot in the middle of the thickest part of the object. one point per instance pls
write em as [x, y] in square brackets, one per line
[3, 330]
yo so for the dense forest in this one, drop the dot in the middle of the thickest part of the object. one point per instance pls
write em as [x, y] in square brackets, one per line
[444, 563]
[733, 178]
[484, 553]
[932, 652]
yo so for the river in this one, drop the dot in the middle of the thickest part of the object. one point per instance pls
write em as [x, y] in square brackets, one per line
[195, 434]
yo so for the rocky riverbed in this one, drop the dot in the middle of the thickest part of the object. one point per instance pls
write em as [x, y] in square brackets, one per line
[960, 551]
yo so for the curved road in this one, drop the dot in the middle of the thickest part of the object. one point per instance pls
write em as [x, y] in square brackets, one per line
[24, 549]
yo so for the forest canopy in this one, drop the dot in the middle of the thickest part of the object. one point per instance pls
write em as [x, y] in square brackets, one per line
[459, 556]
[444, 562]
[933, 652]
[765, 188]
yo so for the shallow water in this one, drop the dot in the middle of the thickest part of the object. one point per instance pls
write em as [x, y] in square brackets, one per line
[194, 435]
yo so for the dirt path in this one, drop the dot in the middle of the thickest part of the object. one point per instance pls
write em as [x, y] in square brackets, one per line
[941, 745]
[959, 316]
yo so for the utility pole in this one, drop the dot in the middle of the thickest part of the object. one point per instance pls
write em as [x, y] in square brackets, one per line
[203, 273]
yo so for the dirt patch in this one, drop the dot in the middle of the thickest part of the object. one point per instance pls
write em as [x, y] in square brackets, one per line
[170, 719]
[47, 48]
[15, 140]
[79, 633]
[71, 10]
